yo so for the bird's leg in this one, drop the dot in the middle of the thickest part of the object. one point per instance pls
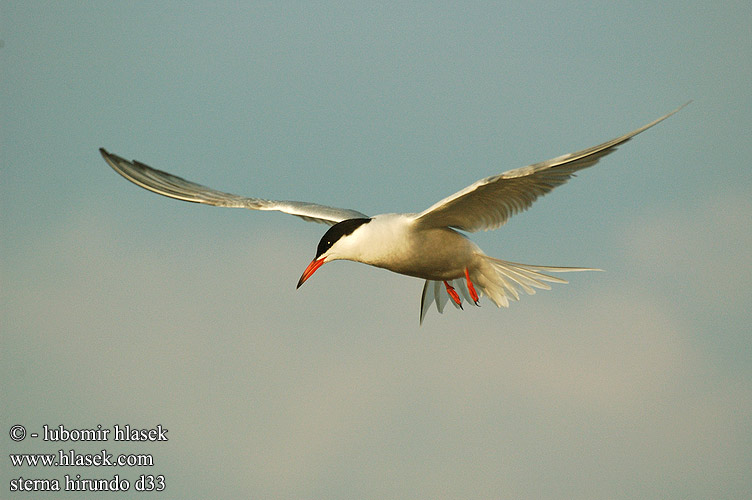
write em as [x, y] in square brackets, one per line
[453, 293]
[471, 288]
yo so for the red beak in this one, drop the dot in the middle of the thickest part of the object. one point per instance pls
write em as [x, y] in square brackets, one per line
[315, 264]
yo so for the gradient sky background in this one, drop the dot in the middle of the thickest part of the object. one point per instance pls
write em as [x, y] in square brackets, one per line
[121, 306]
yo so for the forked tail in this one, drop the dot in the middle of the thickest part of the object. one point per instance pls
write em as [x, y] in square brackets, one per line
[500, 280]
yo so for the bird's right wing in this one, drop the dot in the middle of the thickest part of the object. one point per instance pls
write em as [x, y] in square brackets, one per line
[488, 203]
[176, 187]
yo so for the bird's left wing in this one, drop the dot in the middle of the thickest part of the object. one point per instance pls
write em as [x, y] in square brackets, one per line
[176, 187]
[488, 203]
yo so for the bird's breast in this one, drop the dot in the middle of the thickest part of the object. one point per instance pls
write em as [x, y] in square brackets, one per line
[397, 245]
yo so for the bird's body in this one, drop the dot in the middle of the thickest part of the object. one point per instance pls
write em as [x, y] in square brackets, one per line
[426, 245]
[391, 241]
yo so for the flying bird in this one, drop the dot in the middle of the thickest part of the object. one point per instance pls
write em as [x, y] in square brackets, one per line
[426, 245]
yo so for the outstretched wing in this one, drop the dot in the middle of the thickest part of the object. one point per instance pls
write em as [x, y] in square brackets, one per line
[176, 187]
[488, 203]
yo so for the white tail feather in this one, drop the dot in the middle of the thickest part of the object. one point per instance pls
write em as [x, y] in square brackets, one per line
[500, 280]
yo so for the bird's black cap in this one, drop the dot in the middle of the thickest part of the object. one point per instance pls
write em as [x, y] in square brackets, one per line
[336, 232]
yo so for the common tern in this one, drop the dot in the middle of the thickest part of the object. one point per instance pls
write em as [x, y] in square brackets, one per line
[426, 245]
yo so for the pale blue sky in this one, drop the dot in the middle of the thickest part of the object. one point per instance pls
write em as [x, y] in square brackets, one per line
[120, 306]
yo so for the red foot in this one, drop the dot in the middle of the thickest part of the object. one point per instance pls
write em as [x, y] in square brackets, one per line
[453, 293]
[471, 288]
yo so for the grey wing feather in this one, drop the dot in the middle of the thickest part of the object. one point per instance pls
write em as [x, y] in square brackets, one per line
[176, 187]
[488, 203]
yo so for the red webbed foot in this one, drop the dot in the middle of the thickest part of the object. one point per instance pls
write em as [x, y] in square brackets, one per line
[453, 293]
[471, 288]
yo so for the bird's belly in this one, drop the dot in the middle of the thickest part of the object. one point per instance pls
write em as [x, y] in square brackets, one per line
[436, 254]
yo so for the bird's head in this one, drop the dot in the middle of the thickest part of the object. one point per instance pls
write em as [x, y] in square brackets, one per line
[337, 243]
